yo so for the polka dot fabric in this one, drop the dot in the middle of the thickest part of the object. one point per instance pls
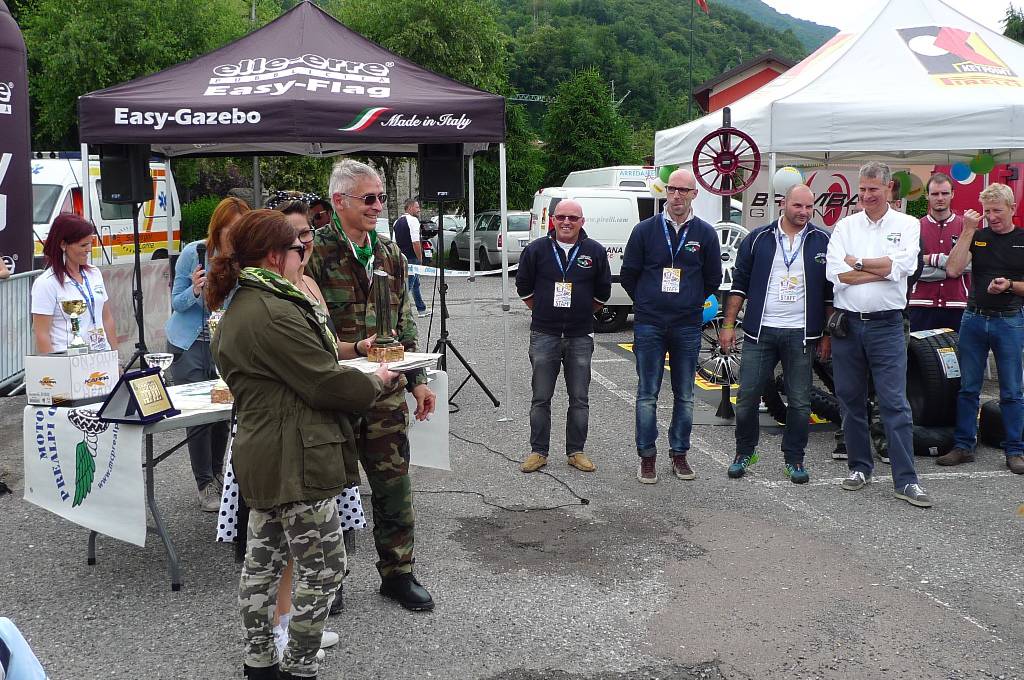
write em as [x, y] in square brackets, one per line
[350, 505]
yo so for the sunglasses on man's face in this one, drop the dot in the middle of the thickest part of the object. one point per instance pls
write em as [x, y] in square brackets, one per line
[320, 214]
[572, 218]
[368, 199]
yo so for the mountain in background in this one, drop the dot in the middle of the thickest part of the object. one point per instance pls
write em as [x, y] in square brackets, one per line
[810, 34]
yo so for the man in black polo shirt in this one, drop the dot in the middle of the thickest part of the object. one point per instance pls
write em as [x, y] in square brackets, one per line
[993, 320]
[407, 236]
[563, 279]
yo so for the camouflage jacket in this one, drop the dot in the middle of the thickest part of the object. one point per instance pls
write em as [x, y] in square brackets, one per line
[346, 288]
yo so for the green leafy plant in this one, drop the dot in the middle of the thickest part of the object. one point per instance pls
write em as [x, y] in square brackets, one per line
[195, 218]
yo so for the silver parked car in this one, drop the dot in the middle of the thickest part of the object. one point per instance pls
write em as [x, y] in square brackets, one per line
[453, 224]
[487, 242]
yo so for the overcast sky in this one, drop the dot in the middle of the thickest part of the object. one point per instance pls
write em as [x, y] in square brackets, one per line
[842, 13]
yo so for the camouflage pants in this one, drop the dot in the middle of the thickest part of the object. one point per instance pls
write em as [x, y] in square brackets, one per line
[310, 534]
[384, 454]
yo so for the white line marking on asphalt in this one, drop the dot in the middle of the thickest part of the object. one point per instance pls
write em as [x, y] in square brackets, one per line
[610, 361]
[802, 506]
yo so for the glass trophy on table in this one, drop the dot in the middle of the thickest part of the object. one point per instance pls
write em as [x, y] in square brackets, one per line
[74, 309]
[161, 360]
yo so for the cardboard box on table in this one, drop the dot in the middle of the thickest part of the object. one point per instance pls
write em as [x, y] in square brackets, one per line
[59, 379]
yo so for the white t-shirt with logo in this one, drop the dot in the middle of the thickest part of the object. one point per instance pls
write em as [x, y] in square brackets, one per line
[47, 294]
[785, 308]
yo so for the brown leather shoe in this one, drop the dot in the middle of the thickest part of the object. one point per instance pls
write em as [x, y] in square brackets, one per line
[533, 462]
[1016, 464]
[647, 474]
[682, 469]
[955, 457]
[580, 461]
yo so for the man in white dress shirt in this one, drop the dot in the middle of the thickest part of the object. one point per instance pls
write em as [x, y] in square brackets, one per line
[870, 257]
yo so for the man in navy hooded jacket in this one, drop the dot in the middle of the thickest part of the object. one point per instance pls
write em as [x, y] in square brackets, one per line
[671, 264]
[780, 273]
[563, 279]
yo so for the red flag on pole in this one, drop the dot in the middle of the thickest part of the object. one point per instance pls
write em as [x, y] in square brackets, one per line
[704, 6]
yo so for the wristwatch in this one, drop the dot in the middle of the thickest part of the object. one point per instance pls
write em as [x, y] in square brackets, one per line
[859, 264]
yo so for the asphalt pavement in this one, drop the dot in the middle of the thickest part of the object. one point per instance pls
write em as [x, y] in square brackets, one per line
[565, 575]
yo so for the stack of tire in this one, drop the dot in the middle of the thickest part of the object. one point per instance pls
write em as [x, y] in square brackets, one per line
[990, 424]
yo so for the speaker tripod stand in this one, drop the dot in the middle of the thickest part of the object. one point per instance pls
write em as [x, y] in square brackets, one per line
[140, 319]
[444, 343]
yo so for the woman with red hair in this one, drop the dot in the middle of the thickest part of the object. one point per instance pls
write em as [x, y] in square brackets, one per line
[69, 276]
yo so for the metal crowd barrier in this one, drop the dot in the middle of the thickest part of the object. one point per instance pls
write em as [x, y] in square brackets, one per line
[15, 327]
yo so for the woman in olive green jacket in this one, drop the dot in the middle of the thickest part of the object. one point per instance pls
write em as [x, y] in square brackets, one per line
[293, 405]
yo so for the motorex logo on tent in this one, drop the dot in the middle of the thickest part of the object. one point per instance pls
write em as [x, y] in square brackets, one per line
[275, 76]
[954, 57]
[6, 93]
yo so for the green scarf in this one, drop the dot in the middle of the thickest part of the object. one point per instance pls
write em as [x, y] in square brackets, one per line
[285, 288]
[363, 253]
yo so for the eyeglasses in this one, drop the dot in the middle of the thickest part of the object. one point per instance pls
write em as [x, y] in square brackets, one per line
[306, 235]
[301, 250]
[320, 214]
[572, 218]
[368, 199]
[679, 190]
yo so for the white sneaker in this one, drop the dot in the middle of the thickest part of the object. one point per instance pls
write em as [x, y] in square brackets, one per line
[329, 639]
[320, 655]
[424, 314]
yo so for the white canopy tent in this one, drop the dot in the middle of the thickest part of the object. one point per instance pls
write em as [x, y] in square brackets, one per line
[919, 83]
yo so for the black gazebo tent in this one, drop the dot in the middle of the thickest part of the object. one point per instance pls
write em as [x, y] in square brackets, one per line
[302, 84]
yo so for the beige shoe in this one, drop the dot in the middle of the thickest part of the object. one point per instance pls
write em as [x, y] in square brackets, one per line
[580, 461]
[533, 462]
[209, 497]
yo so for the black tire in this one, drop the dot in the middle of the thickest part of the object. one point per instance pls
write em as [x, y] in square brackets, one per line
[990, 424]
[823, 369]
[932, 441]
[823, 404]
[931, 394]
[611, 319]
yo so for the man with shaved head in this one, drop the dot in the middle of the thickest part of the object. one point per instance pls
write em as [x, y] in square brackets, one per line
[563, 279]
[671, 264]
[780, 273]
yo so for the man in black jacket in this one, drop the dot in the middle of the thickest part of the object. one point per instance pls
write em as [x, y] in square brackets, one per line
[563, 279]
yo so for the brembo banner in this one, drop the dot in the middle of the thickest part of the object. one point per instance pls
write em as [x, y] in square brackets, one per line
[301, 78]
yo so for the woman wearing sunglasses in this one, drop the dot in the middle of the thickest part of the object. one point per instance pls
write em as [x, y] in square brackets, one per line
[293, 405]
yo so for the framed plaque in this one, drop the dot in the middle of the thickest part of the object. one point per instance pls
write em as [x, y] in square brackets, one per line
[140, 397]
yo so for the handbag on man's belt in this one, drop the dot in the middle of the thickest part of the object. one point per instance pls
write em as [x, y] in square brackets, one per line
[837, 325]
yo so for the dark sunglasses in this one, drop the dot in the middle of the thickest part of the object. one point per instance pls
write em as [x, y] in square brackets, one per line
[368, 199]
[319, 213]
[572, 218]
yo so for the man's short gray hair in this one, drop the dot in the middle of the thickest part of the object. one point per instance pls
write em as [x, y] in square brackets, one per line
[876, 170]
[347, 173]
[409, 202]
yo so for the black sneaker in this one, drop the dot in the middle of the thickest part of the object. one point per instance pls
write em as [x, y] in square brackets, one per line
[913, 494]
[839, 453]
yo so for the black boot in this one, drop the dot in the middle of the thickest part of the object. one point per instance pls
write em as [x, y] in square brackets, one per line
[339, 602]
[407, 591]
[253, 673]
[283, 675]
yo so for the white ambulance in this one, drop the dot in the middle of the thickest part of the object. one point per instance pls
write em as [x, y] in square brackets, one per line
[57, 188]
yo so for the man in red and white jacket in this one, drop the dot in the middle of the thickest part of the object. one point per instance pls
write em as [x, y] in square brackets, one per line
[939, 300]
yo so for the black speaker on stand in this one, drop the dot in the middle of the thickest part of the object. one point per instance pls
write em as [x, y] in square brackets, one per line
[125, 179]
[442, 178]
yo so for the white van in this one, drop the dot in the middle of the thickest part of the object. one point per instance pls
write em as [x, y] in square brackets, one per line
[610, 216]
[615, 177]
[57, 188]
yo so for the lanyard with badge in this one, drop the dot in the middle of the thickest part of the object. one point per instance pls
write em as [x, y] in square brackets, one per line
[789, 285]
[563, 288]
[672, 276]
[97, 337]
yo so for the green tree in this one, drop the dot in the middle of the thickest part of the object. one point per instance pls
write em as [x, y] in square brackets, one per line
[582, 128]
[77, 47]
[1013, 24]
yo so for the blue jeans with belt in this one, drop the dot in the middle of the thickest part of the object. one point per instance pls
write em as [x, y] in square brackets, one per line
[1003, 335]
[650, 343]
[876, 345]
[758, 367]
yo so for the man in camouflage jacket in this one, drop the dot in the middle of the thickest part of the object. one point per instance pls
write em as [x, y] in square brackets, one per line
[345, 254]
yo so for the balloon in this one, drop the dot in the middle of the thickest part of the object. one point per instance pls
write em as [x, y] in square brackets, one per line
[983, 163]
[710, 308]
[666, 171]
[657, 188]
[902, 179]
[785, 178]
[960, 171]
[916, 188]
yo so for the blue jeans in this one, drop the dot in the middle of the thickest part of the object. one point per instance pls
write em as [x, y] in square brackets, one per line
[1003, 336]
[414, 286]
[548, 353]
[877, 346]
[650, 343]
[757, 368]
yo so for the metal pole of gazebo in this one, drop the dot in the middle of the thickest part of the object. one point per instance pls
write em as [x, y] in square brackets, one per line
[505, 307]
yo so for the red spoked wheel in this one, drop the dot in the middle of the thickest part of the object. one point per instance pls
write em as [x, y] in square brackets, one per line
[726, 161]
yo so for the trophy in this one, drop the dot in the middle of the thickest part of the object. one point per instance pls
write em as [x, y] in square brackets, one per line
[385, 347]
[74, 309]
[161, 360]
[219, 393]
